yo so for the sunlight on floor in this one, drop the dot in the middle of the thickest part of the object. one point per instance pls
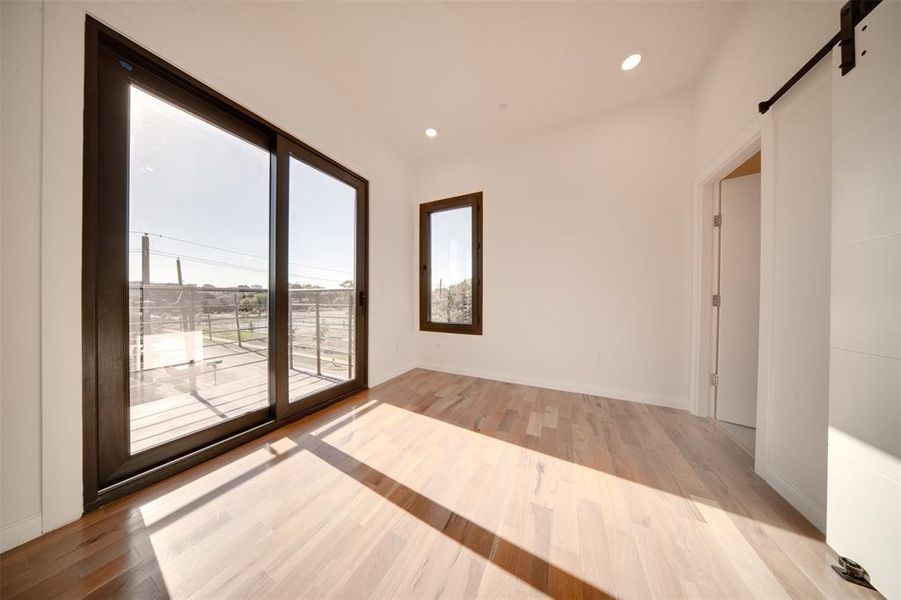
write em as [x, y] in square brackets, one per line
[401, 503]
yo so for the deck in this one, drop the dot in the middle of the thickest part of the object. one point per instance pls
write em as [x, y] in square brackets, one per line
[170, 402]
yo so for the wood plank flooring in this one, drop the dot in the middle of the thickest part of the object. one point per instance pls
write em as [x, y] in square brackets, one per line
[437, 485]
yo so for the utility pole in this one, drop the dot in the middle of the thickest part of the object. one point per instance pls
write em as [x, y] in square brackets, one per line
[145, 259]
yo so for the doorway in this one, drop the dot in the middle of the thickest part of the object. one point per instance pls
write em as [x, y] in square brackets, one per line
[736, 302]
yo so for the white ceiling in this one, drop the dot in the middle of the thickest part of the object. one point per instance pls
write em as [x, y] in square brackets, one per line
[397, 68]
[408, 66]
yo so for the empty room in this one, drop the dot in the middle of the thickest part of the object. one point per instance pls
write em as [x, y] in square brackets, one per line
[476, 299]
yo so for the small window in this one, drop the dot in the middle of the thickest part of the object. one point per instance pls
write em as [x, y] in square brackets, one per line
[450, 251]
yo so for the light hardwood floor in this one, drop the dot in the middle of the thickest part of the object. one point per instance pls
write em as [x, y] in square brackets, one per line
[442, 485]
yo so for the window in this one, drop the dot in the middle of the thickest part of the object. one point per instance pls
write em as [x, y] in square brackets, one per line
[450, 278]
[224, 279]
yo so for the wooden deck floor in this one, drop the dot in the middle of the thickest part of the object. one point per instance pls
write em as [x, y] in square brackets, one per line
[436, 485]
[160, 421]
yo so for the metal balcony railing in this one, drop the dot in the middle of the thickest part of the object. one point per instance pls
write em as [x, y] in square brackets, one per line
[320, 325]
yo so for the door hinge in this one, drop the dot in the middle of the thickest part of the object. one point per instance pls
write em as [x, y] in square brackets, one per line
[717, 220]
[362, 299]
[714, 379]
[716, 299]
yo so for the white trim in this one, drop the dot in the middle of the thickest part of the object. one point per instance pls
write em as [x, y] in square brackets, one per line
[812, 510]
[758, 136]
[767, 285]
[578, 388]
[21, 531]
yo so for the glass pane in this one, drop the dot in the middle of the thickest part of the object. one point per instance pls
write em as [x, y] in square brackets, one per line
[321, 280]
[450, 232]
[198, 270]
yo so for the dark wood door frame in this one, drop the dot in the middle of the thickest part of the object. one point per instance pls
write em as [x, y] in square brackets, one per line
[287, 149]
[111, 63]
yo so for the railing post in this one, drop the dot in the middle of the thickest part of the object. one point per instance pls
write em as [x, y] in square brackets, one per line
[350, 330]
[192, 316]
[237, 321]
[142, 300]
[318, 355]
[192, 369]
[290, 331]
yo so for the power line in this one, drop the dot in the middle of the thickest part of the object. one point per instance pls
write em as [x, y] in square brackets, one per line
[238, 252]
[217, 263]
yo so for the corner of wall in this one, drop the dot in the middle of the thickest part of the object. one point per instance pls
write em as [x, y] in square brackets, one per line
[812, 510]
[19, 532]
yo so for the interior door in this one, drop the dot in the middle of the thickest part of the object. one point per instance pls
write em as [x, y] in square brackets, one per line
[326, 280]
[736, 399]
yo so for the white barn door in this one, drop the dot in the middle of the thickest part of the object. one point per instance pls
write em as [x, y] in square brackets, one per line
[864, 464]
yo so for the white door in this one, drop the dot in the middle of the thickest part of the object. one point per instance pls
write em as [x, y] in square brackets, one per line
[863, 498]
[736, 396]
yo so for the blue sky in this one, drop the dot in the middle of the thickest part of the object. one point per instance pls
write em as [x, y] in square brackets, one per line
[451, 252]
[202, 194]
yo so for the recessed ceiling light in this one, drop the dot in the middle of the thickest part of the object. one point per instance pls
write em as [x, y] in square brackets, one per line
[631, 62]
[430, 132]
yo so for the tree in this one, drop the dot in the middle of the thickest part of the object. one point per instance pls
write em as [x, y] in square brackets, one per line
[255, 302]
[452, 304]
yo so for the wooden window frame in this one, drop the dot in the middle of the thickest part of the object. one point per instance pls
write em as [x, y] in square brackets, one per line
[474, 201]
[106, 476]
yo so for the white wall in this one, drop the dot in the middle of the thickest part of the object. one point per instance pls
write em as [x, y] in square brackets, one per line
[864, 517]
[586, 257]
[181, 33]
[20, 401]
[768, 43]
[765, 48]
[602, 208]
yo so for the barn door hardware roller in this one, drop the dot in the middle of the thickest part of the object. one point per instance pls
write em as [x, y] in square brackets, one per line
[850, 15]
[853, 572]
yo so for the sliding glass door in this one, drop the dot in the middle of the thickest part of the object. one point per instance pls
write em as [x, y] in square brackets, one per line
[224, 278]
[326, 235]
[198, 268]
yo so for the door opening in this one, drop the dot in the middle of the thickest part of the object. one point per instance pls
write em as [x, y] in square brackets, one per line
[737, 296]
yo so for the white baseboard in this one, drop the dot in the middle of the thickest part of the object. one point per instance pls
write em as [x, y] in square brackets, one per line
[21, 531]
[812, 510]
[578, 388]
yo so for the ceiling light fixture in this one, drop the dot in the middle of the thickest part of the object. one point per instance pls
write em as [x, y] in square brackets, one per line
[431, 132]
[631, 61]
